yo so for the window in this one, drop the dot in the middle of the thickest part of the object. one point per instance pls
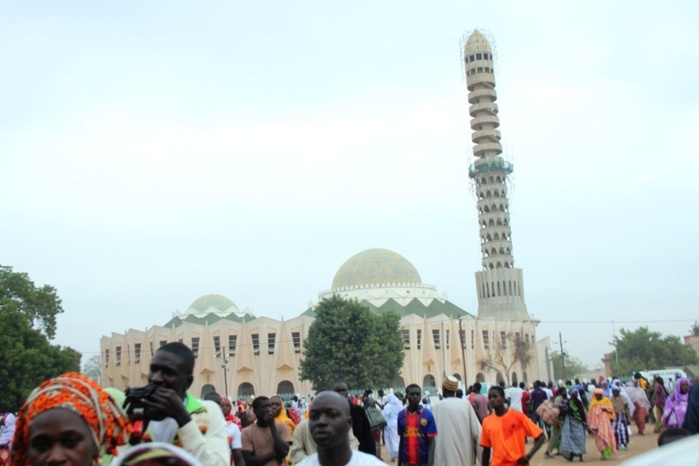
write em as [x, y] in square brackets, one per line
[419, 339]
[406, 338]
[137, 351]
[118, 355]
[162, 343]
[195, 346]
[296, 337]
[106, 358]
[255, 343]
[486, 340]
[128, 354]
[471, 57]
[462, 338]
[232, 343]
[473, 339]
[436, 338]
[526, 337]
[271, 339]
[217, 346]
[150, 346]
[503, 339]
[479, 56]
[517, 336]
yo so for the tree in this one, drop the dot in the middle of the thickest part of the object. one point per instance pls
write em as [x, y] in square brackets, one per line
[506, 354]
[695, 329]
[642, 349]
[573, 367]
[91, 368]
[27, 356]
[347, 342]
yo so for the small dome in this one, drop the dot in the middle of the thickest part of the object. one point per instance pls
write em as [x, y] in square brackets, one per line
[375, 266]
[476, 43]
[218, 302]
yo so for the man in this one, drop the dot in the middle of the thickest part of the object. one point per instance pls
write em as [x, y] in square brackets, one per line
[538, 396]
[458, 427]
[417, 430]
[479, 402]
[691, 419]
[505, 431]
[173, 415]
[515, 395]
[303, 445]
[330, 422]
[265, 443]
[360, 422]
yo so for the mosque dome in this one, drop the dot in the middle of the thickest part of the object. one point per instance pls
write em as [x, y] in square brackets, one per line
[216, 301]
[375, 266]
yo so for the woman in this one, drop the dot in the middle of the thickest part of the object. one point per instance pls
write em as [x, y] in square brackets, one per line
[227, 408]
[390, 413]
[641, 404]
[598, 419]
[573, 427]
[676, 404]
[555, 439]
[659, 396]
[622, 414]
[68, 420]
[280, 413]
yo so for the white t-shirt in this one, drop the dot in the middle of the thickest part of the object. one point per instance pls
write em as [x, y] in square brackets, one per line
[358, 459]
[235, 435]
[516, 398]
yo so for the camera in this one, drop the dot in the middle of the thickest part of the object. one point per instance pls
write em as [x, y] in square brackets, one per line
[132, 403]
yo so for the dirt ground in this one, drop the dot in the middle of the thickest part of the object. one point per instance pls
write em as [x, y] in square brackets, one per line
[638, 444]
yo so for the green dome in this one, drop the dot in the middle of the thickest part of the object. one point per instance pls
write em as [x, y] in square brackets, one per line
[213, 300]
[375, 266]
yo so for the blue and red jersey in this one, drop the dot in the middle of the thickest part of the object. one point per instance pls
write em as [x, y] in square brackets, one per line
[415, 428]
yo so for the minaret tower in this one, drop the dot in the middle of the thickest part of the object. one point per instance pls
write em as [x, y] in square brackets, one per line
[499, 284]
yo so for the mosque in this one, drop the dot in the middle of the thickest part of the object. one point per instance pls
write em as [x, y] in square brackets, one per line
[240, 354]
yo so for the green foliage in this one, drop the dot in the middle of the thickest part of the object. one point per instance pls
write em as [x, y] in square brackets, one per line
[39, 305]
[695, 329]
[573, 367]
[27, 356]
[347, 342]
[642, 349]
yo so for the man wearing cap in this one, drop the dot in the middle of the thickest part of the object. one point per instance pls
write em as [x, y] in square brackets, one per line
[458, 427]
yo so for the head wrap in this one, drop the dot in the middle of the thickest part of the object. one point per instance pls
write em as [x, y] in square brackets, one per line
[156, 454]
[108, 423]
[598, 391]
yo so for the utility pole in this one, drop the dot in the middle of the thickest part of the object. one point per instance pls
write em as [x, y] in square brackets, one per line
[616, 346]
[462, 338]
[224, 364]
[563, 355]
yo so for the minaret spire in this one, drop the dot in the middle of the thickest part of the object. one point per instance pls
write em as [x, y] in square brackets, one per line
[499, 284]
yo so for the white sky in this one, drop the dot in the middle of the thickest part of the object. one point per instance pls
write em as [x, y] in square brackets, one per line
[153, 153]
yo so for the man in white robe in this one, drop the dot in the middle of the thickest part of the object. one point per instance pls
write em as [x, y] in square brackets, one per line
[459, 430]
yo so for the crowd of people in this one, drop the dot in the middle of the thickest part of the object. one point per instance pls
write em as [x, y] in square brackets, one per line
[71, 420]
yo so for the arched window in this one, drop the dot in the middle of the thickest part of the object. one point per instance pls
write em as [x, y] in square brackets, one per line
[496, 237]
[491, 222]
[246, 390]
[398, 382]
[458, 377]
[499, 378]
[428, 383]
[480, 377]
[206, 389]
[285, 387]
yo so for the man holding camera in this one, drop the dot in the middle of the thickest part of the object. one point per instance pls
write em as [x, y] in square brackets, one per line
[171, 414]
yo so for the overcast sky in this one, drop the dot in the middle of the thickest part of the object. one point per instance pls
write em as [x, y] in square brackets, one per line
[155, 152]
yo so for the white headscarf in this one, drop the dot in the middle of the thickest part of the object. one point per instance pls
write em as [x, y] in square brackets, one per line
[622, 392]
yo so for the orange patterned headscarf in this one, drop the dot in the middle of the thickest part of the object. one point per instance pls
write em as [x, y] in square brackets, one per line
[108, 423]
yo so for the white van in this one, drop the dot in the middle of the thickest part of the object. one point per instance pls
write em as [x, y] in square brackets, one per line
[666, 374]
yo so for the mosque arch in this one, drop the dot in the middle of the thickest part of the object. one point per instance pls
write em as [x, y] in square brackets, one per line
[496, 237]
[496, 193]
[497, 179]
[491, 222]
[514, 379]
[246, 390]
[398, 382]
[480, 377]
[429, 382]
[457, 376]
[493, 251]
[206, 389]
[491, 180]
[488, 194]
[285, 387]
[526, 379]
[499, 378]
